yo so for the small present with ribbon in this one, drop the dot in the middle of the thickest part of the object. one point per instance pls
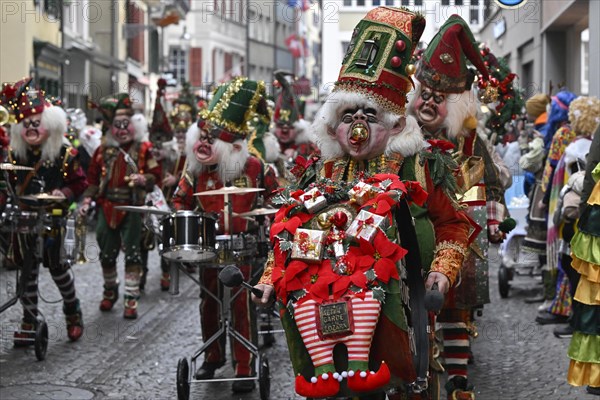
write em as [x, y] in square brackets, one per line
[335, 239]
[363, 192]
[308, 244]
[314, 201]
[365, 226]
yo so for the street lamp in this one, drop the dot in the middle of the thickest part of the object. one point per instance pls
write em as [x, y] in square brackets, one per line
[186, 41]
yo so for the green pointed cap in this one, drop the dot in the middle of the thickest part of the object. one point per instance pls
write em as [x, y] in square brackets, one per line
[287, 110]
[232, 107]
[443, 66]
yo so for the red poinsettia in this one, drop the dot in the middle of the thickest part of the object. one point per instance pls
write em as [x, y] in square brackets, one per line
[354, 276]
[381, 205]
[301, 164]
[416, 193]
[285, 223]
[382, 255]
[287, 278]
[318, 278]
[396, 183]
[443, 145]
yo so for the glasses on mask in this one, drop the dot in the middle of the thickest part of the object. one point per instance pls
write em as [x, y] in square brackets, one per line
[426, 95]
[35, 124]
[122, 124]
[206, 138]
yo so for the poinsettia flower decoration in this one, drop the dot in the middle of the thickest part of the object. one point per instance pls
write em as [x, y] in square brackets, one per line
[286, 280]
[301, 164]
[382, 256]
[353, 276]
[392, 182]
[415, 192]
[442, 145]
[284, 222]
[381, 205]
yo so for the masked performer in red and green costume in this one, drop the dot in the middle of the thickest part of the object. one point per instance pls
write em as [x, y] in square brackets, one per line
[36, 141]
[122, 170]
[290, 128]
[371, 225]
[446, 108]
[217, 156]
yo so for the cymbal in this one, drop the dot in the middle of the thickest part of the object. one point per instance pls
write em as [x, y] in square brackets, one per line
[143, 209]
[43, 197]
[257, 212]
[14, 167]
[229, 190]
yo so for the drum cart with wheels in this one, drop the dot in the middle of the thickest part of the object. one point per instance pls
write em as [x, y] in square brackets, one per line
[185, 368]
[10, 223]
[190, 237]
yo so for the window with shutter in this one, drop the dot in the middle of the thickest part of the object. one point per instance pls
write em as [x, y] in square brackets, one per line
[196, 66]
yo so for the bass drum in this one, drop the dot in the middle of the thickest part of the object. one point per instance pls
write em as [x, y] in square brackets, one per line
[189, 236]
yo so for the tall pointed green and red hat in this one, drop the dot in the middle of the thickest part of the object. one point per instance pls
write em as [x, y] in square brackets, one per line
[23, 99]
[377, 62]
[184, 108]
[232, 108]
[287, 107]
[443, 65]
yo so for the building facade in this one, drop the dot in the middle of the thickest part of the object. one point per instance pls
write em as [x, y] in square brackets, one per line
[341, 16]
[549, 41]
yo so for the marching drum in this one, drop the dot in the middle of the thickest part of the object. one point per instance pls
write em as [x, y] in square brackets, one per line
[17, 221]
[26, 222]
[231, 248]
[189, 236]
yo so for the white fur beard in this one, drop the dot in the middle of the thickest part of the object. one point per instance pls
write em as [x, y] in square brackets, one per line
[54, 119]
[230, 162]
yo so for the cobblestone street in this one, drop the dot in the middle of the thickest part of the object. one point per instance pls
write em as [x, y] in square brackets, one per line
[116, 359]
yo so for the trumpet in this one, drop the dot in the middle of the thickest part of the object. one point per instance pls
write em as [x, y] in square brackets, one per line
[80, 234]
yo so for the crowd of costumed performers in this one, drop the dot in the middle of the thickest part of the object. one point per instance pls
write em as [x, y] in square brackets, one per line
[366, 221]
[391, 197]
[447, 108]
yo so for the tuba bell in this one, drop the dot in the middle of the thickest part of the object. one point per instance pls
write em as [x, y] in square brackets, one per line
[4, 116]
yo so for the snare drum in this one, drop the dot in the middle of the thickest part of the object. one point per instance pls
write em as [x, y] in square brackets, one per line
[26, 222]
[231, 248]
[189, 236]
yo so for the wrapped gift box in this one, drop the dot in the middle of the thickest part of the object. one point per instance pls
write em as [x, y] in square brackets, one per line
[314, 201]
[308, 244]
[365, 226]
[363, 192]
[336, 239]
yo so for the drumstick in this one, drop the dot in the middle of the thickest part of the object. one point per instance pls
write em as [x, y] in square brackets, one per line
[231, 276]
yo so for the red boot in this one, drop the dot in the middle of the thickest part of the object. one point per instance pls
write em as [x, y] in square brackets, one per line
[74, 321]
[318, 386]
[130, 311]
[109, 298]
[366, 381]
[165, 281]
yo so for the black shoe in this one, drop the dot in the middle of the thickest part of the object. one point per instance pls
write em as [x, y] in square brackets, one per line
[546, 318]
[562, 332]
[243, 386]
[593, 390]
[207, 370]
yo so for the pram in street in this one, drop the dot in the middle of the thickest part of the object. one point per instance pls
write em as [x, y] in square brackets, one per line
[515, 258]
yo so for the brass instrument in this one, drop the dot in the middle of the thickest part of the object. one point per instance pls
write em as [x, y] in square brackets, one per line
[4, 116]
[80, 234]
